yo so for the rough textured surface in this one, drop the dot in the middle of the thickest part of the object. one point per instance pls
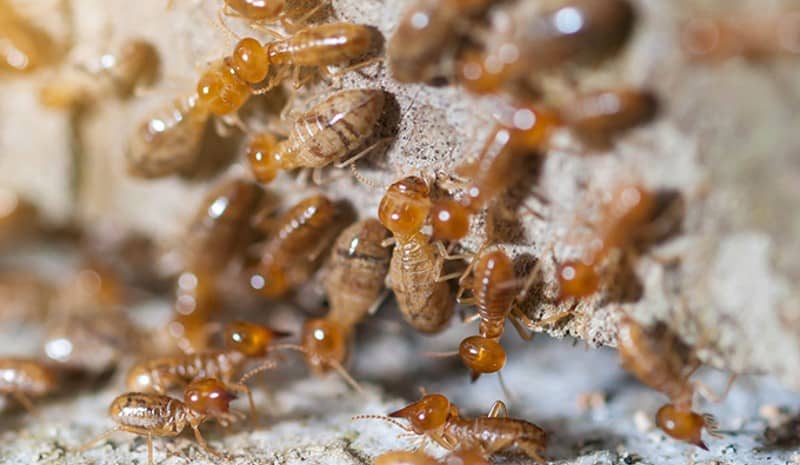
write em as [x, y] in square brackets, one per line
[726, 141]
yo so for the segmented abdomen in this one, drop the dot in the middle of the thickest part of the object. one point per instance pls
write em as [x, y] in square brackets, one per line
[161, 415]
[322, 45]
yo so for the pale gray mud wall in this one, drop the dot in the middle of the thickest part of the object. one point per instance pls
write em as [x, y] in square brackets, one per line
[726, 141]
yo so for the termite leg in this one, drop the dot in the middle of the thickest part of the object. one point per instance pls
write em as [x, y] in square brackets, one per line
[362, 153]
[498, 410]
[26, 403]
[201, 440]
[243, 388]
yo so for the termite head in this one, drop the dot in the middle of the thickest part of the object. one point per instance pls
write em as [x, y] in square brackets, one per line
[325, 342]
[532, 128]
[220, 90]
[262, 153]
[427, 414]
[250, 60]
[577, 279]
[482, 355]
[208, 396]
[405, 206]
[270, 280]
[685, 425]
[255, 10]
[450, 220]
[251, 339]
[140, 379]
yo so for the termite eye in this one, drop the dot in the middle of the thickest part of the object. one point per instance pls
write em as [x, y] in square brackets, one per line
[326, 341]
[450, 220]
[683, 425]
[482, 355]
[577, 279]
[250, 60]
[261, 156]
[270, 281]
[405, 206]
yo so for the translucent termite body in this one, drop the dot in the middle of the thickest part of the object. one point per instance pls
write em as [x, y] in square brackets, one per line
[289, 13]
[752, 37]
[23, 379]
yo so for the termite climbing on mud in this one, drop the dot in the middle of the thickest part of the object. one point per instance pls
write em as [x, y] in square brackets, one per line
[423, 294]
[158, 415]
[339, 130]
[660, 359]
[435, 418]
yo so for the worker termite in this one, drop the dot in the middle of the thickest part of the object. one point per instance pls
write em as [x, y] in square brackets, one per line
[163, 416]
[22, 379]
[356, 271]
[436, 419]
[168, 141]
[337, 130]
[300, 239]
[289, 13]
[582, 32]
[753, 37]
[623, 219]
[415, 273]
[660, 359]
[426, 34]
[23, 46]
[134, 67]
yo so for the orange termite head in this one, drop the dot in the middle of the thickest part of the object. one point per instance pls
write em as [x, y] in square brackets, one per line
[250, 60]
[270, 280]
[257, 10]
[482, 355]
[220, 90]
[262, 153]
[251, 339]
[405, 206]
[450, 220]
[427, 414]
[532, 128]
[208, 396]
[685, 425]
[577, 279]
[325, 342]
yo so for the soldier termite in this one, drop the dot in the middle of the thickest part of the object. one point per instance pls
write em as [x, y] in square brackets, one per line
[23, 46]
[22, 379]
[336, 131]
[301, 237]
[659, 359]
[163, 416]
[423, 295]
[435, 418]
[134, 67]
[581, 32]
[428, 32]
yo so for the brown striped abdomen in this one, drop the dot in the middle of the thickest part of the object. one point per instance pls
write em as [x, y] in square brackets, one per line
[161, 415]
[334, 129]
[426, 304]
[497, 434]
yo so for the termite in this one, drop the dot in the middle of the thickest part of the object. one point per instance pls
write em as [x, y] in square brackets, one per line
[402, 457]
[750, 37]
[356, 271]
[336, 131]
[289, 13]
[22, 379]
[427, 32]
[415, 274]
[23, 46]
[163, 416]
[168, 141]
[19, 217]
[228, 83]
[435, 418]
[300, 239]
[623, 218]
[660, 359]
[134, 67]
[580, 32]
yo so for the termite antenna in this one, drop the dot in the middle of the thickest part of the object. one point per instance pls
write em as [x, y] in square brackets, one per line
[381, 417]
[504, 387]
[363, 179]
[333, 363]
[267, 365]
